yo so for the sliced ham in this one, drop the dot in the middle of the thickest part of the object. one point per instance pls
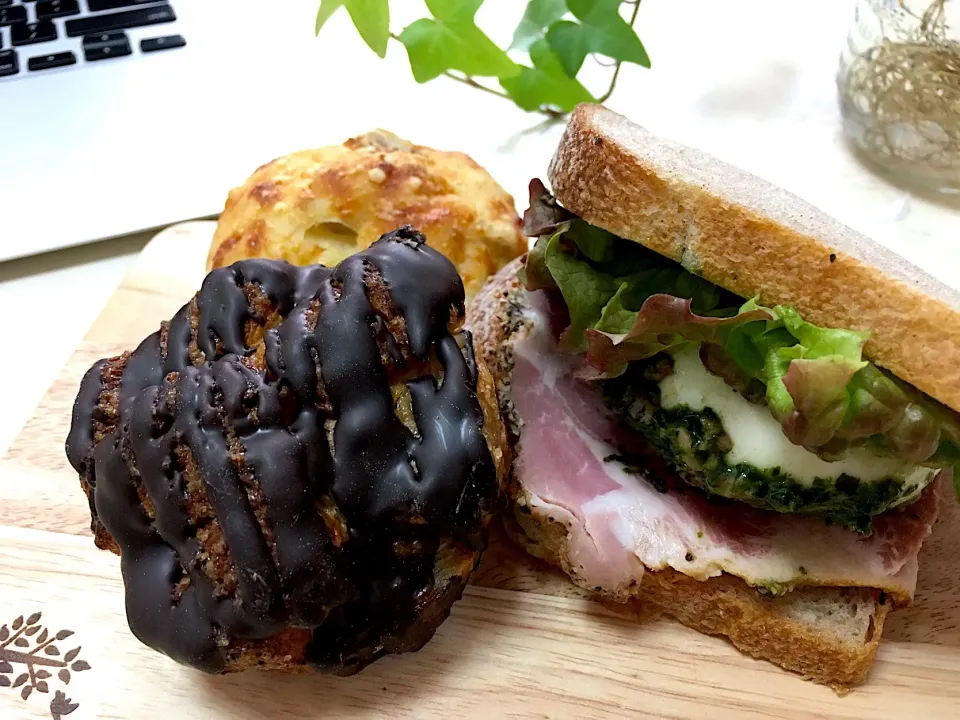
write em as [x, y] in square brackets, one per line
[619, 525]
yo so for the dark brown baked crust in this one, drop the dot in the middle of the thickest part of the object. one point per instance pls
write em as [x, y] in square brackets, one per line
[275, 467]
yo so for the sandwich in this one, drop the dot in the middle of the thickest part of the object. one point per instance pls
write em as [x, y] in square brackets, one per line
[721, 402]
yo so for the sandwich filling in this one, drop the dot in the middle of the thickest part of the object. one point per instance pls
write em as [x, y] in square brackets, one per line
[718, 440]
[669, 423]
[741, 400]
[625, 512]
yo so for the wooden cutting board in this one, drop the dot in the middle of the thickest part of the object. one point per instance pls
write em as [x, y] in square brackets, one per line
[523, 642]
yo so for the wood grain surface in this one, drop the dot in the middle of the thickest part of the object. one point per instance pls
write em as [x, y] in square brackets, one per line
[523, 642]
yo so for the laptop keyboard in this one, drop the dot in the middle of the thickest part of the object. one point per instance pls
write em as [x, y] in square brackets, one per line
[39, 36]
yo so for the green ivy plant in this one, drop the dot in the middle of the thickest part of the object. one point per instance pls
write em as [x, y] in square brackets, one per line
[537, 71]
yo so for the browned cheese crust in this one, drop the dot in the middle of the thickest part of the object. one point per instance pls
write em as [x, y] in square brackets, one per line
[829, 635]
[318, 206]
[754, 238]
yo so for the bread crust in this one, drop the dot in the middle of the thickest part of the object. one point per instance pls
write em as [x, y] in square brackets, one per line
[753, 238]
[782, 630]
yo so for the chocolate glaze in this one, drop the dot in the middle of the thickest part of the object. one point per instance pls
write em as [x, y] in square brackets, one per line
[81, 437]
[361, 596]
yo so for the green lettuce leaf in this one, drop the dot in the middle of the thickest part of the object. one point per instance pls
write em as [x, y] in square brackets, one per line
[615, 318]
[627, 303]
[663, 323]
[595, 244]
[534, 274]
[588, 291]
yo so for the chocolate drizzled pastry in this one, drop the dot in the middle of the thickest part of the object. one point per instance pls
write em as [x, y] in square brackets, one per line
[299, 468]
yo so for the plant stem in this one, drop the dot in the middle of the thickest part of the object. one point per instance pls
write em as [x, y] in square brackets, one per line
[616, 71]
[467, 80]
[552, 114]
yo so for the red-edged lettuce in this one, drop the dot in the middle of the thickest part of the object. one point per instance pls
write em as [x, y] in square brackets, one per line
[663, 322]
[628, 303]
[544, 216]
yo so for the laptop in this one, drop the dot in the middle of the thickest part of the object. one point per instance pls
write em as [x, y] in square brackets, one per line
[126, 115]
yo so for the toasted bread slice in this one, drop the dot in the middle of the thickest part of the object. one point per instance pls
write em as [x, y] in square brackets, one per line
[753, 238]
[827, 634]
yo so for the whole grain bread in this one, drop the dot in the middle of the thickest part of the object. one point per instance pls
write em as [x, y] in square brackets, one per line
[753, 238]
[827, 634]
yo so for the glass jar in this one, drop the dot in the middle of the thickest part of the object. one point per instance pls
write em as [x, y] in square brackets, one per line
[899, 85]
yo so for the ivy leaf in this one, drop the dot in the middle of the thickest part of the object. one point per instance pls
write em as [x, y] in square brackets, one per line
[43, 687]
[449, 41]
[540, 14]
[21, 679]
[42, 637]
[5, 667]
[42, 674]
[64, 676]
[327, 8]
[571, 43]
[72, 654]
[18, 623]
[51, 650]
[429, 49]
[452, 41]
[64, 634]
[4, 633]
[4, 681]
[606, 33]
[80, 665]
[545, 83]
[25, 693]
[33, 619]
[371, 18]
[21, 642]
[454, 10]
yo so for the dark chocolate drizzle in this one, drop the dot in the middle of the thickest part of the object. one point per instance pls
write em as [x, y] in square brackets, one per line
[392, 487]
[80, 441]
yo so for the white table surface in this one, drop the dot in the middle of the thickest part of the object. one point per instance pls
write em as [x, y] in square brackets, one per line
[751, 81]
